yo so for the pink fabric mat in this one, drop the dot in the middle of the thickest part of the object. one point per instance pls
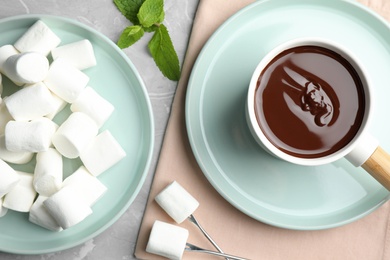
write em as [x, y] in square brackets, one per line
[236, 233]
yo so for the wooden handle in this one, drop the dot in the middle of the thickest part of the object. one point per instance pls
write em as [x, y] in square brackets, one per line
[378, 165]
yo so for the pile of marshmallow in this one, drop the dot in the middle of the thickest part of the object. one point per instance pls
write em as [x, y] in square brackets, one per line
[27, 129]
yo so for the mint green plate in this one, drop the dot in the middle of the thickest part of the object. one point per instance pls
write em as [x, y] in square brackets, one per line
[117, 80]
[265, 188]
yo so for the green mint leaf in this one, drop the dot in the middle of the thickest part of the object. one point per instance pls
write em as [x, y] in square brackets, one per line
[151, 12]
[129, 8]
[164, 54]
[130, 35]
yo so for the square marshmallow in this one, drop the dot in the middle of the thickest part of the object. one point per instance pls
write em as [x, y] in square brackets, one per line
[38, 38]
[80, 54]
[102, 153]
[22, 196]
[167, 240]
[41, 217]
[177, 202]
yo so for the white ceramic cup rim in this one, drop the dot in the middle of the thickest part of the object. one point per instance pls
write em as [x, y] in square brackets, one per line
[250, 104]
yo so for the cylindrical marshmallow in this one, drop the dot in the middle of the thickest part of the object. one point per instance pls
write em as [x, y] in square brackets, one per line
[102, 153]
[30, 102]
[177, 202]
[167, 240]
[80, 54]
[5, 116]
[3, 210]
[39, 38]
[48, 172]
[67, 208]
[89, 188]
[22, 196]
[8, 178]
[26, 68]
[74, 134]
[29, 136]
[6, 51]
[41, 217]
[59, 104]
[13, 157]
[65, 81]
[94, 105]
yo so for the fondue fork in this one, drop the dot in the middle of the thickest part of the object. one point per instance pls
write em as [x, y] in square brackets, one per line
[192, 248]
[194, 221]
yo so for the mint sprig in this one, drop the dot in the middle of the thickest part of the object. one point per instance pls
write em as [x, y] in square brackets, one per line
[147, 16]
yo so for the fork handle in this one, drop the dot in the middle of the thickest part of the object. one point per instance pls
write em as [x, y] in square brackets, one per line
[193, 248]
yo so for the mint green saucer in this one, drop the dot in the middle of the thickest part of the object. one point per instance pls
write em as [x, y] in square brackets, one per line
[267, 189]
[117, 80]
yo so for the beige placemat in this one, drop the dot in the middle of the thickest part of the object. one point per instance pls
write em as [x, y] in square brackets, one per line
[236, 233]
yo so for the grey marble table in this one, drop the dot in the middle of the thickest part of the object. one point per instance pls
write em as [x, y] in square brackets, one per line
[118, 241]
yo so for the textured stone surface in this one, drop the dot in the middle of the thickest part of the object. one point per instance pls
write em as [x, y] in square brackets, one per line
[118, 241]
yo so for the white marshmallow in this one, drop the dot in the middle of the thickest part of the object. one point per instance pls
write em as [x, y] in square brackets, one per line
[74, 134]
[3, 210]
[22, 196]
[41, 217]
[5, 116]
[13, 157]
[102, 153]
[59, 104]
[39, 38]
[80, 54]
[94, 105]
[67, 208]
[65, 81]
[6, 51]
[29, 136]
[48, 172]
[167, 240]
[89, 188]
[26, 68]
[8, 178]
[177, 202]
[30, 102]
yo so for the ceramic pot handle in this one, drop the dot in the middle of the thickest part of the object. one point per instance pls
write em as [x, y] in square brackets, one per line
[378, 165]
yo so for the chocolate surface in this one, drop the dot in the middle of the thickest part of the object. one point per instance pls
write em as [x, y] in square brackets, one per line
[309, 101]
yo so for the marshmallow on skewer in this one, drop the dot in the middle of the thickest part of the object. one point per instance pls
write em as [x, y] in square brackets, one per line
[29, 136]
[80, 54]
[6, 51]
[13, 157]
[41, 217]
[39, 38]
[48, 172]
[30, 102]
[3, 210]
[74, 134]
[5, 116]
[22, 196]
[102, 153]
[177, 202]
[94, 105]
[26, 68]
[167, 240]
[8, 178]
[66, 207]
[89, 188]
[65, 80]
